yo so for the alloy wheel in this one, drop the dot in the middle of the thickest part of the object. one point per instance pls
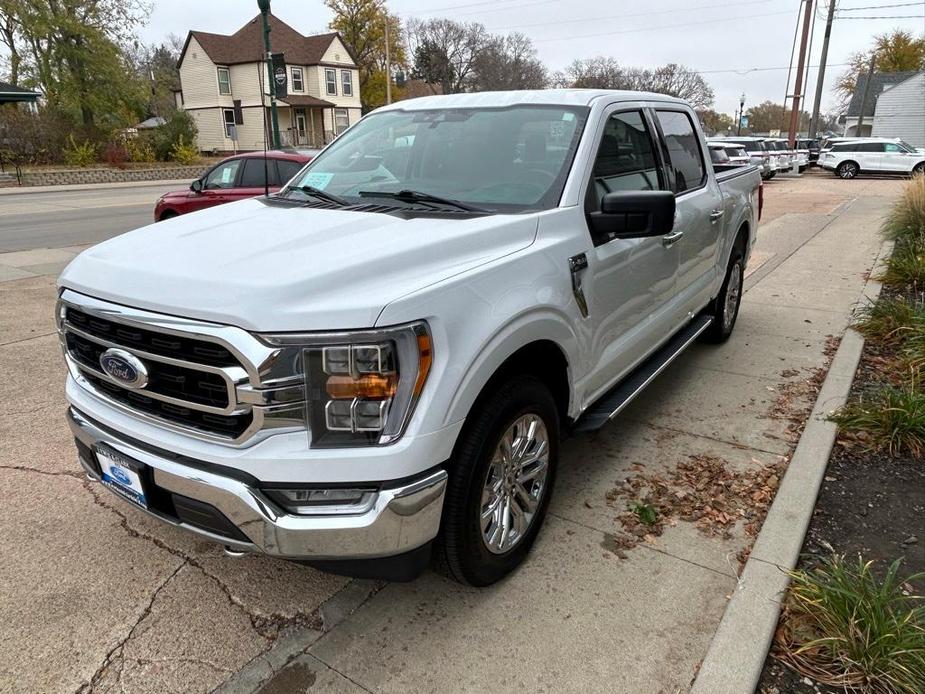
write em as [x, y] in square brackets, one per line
[733, 290]
[514, 484]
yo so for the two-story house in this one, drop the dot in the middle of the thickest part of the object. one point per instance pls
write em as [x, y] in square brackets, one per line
[223, 85]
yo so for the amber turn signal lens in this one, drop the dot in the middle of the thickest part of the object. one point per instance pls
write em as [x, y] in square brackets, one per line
[367, 386]
[426, 359]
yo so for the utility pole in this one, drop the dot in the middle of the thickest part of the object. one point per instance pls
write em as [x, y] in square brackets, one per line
[741, 114]
[798, 84]
[264, 6]
[388, 64]
[870, 76]
[814, 122]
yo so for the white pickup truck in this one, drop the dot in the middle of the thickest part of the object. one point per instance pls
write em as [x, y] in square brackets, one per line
[379, 362]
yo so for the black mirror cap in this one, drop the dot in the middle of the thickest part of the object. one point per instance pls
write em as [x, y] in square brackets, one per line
[634, 214]
[196, 186]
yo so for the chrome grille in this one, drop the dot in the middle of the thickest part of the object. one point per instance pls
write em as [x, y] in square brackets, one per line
[214, 382]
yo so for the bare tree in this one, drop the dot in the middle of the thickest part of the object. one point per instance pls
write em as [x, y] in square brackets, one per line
[599, 72]
[508, 62]
[444, 51]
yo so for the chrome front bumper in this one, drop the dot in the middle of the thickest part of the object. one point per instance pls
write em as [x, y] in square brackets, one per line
[402, 518]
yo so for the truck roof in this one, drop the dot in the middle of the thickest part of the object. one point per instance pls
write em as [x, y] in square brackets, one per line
[554, 97]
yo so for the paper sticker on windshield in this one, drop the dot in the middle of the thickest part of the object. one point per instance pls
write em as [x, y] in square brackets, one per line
[317, 180]
[228, 174]
[568, 116]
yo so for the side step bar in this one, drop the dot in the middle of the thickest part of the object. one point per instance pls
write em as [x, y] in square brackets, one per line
[613, 401]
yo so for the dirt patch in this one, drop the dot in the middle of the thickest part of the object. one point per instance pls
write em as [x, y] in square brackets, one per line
[870, 504]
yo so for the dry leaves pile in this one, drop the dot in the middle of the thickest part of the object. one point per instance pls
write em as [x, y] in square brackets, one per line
[795, 399]
[702, 490]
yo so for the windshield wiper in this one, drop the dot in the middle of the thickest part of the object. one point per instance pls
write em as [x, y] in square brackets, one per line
[322, 195]
[418, 196]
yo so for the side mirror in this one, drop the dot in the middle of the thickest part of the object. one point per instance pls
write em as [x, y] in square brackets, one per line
[634, 214]
[196, 186]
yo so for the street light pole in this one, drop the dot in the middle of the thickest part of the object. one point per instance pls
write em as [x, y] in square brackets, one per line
[741, 113]
[264, 6]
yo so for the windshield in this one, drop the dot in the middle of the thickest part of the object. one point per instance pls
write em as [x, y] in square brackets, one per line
[502, 159]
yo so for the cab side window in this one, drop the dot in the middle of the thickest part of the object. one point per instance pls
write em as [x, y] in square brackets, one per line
[625, 159]
[682, 150]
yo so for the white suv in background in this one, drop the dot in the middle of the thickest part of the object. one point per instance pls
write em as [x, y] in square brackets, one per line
[871, 155]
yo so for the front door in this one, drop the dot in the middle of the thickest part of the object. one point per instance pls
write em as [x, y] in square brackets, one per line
[897, 159]
[301, 138]
[700, 213]
[630, 283]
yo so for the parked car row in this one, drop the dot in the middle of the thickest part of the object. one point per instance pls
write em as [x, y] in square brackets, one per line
[769, 154]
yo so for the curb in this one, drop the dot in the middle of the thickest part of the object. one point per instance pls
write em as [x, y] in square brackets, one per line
[737, 653]
[64, 188]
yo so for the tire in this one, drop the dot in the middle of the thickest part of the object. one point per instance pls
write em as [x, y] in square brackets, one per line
[464, 548]
[847, 170]
[725, 307]
[169, 214]
[919, 169]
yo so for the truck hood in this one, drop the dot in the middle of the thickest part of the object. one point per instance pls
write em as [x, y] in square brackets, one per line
[272, 268]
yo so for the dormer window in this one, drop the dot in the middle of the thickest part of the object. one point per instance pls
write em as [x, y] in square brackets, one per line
[224, 80]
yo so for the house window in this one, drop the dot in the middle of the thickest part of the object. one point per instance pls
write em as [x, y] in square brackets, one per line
[297, 84]
[341, 120]
[330, 80]
[224, 80]
[346, 81]
[228, 118]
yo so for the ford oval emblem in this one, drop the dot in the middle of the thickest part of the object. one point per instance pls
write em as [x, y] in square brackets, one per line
[124, 368]
[120, 476]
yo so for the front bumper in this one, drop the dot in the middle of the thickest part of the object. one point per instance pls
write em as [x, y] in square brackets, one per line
[232, 509]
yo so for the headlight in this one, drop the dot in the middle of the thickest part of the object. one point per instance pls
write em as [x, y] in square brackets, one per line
[361, 387]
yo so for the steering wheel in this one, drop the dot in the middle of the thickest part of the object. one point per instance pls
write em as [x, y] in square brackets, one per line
[539, 177]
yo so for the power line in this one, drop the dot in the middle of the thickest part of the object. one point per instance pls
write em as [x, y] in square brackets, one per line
[879, 7]
[624, 16]
[745, 71]
[892, 16]
[662, 27]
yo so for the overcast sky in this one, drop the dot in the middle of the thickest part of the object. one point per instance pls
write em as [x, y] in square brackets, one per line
[723, 40]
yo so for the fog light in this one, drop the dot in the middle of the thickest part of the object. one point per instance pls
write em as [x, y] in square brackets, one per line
[309, 502]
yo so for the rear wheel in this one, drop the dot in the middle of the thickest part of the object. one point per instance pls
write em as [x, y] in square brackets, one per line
[847, 169]
[919, 169]
[725, 308]
[501, 478]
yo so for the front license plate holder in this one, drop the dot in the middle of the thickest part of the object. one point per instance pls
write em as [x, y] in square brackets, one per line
[122, 475]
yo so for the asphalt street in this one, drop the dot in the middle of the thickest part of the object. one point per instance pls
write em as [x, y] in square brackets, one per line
[58, 219]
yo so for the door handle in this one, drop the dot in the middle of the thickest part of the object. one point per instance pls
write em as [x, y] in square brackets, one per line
[577, 264]
[669, 240]
[716, 214]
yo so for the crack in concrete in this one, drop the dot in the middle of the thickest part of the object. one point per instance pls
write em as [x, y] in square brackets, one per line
[268, 626]
[116, 651]
[62, 473]
[26, 339]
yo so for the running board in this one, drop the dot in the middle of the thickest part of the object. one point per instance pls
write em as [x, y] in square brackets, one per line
[613, 401]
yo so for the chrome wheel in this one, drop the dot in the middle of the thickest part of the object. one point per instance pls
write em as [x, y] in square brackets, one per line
[515, 484]
[848, 170]
[733, 290]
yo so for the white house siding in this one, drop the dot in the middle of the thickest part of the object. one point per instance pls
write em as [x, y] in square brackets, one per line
[211, 135]
[901, 111]
[198, 78]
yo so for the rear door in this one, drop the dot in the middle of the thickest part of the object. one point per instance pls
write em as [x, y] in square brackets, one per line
[254, 176]
[699, 213]
[870, 156]
[629, 283]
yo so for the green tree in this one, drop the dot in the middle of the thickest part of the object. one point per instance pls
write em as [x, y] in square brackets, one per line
[361, 25]
[74, 51]
[445, 52]
[768, 116]
[715, 122]
[897, 51]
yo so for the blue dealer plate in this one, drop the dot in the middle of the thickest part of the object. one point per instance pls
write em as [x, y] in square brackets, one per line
[121, 475]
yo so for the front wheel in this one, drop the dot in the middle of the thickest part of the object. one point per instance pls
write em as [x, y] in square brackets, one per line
[501, 478]
[919, 169]
[847, 169]
[725, 308]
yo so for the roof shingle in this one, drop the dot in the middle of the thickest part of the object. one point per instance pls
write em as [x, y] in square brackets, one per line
[246, 44]
[878, 82]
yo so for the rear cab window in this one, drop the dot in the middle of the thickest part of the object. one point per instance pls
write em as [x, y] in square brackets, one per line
[681, 148]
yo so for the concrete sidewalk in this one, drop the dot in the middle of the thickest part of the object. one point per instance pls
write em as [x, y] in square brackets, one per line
[97, 593]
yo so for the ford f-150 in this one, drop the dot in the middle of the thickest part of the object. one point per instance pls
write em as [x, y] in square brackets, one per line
[379, 362]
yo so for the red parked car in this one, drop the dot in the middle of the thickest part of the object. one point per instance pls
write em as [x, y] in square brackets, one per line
[235, 178]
